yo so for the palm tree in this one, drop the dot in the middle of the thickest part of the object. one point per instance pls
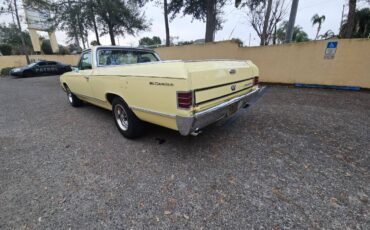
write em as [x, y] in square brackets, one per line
[298, 33]
[361, 28]
[319, 20]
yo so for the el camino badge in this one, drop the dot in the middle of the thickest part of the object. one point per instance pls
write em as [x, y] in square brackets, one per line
[161, 83]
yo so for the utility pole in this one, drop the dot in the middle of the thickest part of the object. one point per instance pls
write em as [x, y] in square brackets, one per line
[290, 29]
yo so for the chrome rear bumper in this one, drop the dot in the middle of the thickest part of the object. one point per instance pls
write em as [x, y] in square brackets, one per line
[188, 125]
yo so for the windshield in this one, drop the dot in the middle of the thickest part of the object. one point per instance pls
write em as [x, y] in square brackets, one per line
[124, 57]
[32, 65]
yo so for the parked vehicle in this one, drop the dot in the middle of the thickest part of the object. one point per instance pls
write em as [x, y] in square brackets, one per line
[137, 86]
[41, 68]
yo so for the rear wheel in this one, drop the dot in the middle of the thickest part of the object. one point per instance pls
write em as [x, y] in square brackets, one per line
[126, 121]
[73, 99]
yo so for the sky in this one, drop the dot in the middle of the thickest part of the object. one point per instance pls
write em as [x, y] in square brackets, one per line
[236, 23]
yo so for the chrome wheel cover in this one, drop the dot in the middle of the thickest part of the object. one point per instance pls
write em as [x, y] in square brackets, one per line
[70, 98]
[121, 117]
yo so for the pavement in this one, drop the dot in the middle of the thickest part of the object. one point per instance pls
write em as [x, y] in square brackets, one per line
[297, 159]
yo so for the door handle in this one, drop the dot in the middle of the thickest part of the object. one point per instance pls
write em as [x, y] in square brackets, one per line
[87, 77]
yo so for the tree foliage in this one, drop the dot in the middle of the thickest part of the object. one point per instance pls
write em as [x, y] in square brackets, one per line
[5, 49]
[361, 27]
[209, 11]
[112, 17]
[9, 34]
[264, 16]
[328, 34]
[298, 34]
[147, 41]
[120, 17]
[46, 46]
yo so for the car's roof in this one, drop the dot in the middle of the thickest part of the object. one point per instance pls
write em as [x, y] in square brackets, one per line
[122, 47]
[45, 61]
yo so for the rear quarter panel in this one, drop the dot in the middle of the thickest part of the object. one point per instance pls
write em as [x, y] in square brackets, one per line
[152, 98]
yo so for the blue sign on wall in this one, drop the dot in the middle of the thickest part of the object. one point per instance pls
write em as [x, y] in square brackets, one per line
[331, 49]
[332, 45]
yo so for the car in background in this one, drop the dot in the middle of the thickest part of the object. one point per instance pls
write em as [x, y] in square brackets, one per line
[40, 68]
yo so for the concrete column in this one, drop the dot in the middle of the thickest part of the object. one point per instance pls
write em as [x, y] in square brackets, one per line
[35, 40]
[53, 42]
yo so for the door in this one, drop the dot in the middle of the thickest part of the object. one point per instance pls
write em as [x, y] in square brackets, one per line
[80, 81]
[53, 67]
[40, 68]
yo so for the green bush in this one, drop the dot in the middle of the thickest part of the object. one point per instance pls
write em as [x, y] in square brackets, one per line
[5, 71]
[46, 47]
[5, 49]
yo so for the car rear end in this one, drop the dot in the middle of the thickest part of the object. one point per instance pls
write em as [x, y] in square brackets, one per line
[218, 89]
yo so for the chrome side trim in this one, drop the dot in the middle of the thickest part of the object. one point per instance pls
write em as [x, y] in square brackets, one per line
[140, 75]
[153, 112]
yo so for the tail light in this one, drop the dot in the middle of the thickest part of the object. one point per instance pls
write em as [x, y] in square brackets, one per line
[184, 100]
[255, 81]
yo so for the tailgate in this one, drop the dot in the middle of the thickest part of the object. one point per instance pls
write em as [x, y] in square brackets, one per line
[212, 80]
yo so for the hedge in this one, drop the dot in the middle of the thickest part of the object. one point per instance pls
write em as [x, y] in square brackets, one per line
[5, 71]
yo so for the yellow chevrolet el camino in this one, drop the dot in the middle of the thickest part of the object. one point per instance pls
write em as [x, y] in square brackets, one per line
[137, 86]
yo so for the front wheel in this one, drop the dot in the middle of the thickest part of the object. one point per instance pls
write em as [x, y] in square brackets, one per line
[126, 121]
[73, 99]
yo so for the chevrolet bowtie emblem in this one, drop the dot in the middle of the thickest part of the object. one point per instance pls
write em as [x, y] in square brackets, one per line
[232, 71]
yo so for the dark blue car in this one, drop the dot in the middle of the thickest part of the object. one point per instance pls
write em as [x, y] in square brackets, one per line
[41, 68]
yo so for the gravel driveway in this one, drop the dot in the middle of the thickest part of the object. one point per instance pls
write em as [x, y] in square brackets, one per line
[298, 159]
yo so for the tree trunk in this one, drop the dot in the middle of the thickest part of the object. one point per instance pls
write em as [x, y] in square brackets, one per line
[83, 41]
[20, 32]
[166, 23]
[96, 30]
[74, 27]
[81, 31]
[266, 23]
[111, 35]
[210, 20]
[93, 19]
[350, 19]
[318, 31]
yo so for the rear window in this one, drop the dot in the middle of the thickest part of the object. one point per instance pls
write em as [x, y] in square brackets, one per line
[107, 57]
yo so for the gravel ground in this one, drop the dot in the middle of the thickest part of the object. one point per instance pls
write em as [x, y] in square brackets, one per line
[298, 159]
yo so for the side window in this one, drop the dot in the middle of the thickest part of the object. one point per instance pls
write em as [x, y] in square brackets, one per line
[146, 57]
[85, 61]
[107, 57]
[116, 57]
